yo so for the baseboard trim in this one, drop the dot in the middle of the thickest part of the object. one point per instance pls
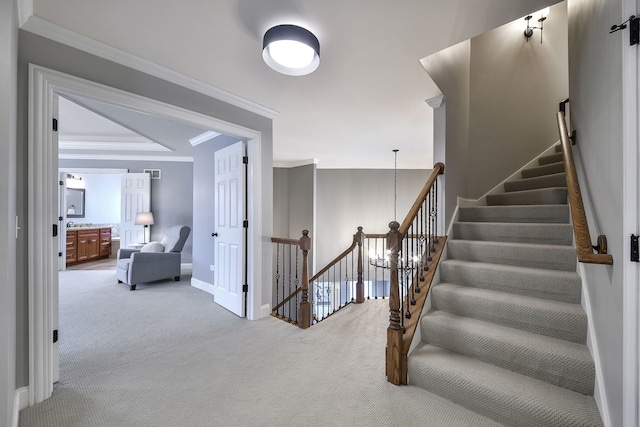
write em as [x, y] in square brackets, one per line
[203, 286]
[265, 310]
[20, 401]
[599, 392]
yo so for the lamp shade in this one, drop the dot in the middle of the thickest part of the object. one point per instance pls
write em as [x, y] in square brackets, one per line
[144, 218]
[291, 50]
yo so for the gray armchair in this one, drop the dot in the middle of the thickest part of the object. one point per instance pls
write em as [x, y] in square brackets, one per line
[138, 266]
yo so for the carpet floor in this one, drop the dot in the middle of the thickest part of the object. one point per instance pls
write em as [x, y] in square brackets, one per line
[167, 355]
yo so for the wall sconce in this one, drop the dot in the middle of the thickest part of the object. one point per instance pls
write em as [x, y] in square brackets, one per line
[528, 32]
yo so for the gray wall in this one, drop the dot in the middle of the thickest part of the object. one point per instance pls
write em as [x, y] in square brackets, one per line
[171, 196]
[595, 72]
[294, 194]
[204, 206]
[40, 51]
[500, 113]
[8, 85]
[348, 198]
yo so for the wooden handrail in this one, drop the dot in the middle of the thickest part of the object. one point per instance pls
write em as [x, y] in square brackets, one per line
[438, 169]
[337, 259]
[295, 242]
[584, 247]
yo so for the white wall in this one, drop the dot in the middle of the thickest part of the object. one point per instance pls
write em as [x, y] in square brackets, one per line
[596, 88]
[8, 121]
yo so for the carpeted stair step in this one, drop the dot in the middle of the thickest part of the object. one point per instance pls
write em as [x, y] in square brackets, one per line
[560, 320]
[543, 196]
[554, 285]
[547, 169]
[545, 181]
[550, 234]
[557, 214]
[551, 158]
[507, 397]
[559, 362]
[554, 257]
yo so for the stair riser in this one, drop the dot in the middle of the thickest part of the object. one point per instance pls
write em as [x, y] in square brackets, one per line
[548, 234]
[570, 325]
[547, 196]
[543, 170]
[551, 158]
[556, 180]
[547, 285]
[558, 214]
[561, 258]
[562, 370]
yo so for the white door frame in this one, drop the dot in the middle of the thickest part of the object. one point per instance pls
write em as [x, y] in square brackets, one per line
[630, 224]
[42, 198]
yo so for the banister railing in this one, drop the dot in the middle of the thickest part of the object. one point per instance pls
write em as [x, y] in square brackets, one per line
[584, 247]
[414, 249]
[290, 281]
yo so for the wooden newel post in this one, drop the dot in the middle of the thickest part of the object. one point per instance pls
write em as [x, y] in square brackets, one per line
[305, 306]
[360, 284]
[395, 363]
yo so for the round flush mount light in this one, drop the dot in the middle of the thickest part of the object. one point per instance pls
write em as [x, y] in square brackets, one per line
[291, 50]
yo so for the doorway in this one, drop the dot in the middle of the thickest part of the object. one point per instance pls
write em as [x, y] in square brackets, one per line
[42, 243]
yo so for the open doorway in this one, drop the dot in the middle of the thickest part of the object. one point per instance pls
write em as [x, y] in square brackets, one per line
[43, 197]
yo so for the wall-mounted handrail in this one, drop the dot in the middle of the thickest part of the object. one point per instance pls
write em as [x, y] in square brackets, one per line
[584, 247]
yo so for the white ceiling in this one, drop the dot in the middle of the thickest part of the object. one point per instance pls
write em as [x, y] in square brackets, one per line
[366, 98]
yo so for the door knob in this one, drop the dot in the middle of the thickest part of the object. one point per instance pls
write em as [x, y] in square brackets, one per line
[214, 234]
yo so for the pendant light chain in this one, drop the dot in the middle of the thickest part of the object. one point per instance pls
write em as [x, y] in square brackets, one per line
[395, 184]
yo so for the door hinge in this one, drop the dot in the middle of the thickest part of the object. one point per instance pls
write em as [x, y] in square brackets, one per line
[55, 230]
[55, 336]
[245, 223]
[635, 257]
[245, 160]
[245, 288]
[60, 218]
[55, 125]
[634, 30]
[59, 254]
[60, 183]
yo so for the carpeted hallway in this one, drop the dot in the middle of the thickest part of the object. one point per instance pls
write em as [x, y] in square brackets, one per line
[166, 355]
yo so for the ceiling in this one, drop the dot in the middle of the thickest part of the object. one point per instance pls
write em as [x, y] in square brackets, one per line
[366, 98]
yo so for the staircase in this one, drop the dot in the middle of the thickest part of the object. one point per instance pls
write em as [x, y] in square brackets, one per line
[506, 335]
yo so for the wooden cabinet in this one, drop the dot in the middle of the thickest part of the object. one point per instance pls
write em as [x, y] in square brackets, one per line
[88, 244]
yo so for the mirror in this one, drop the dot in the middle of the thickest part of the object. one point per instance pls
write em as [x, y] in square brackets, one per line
[75, 202]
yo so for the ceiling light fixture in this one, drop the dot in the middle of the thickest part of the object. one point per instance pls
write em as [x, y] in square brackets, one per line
[291, 50]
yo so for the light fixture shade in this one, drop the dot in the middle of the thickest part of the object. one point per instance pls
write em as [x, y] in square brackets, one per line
[144, 218]
[291, 50]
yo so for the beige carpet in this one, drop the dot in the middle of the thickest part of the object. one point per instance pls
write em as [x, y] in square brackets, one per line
[167, 355]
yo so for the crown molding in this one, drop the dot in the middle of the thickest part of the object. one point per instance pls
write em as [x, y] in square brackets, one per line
[25, 10]
[124, 157]
[295, 164]
[204, 137]
[41, 27]
[110, 146]
[435, 102]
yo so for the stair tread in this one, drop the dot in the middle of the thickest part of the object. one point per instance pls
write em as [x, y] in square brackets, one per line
[542, 181]
[550, 158]
[555, 257]
[542, 196]
[505, 396]
[516, 214]
[557, 319]
[543, 233]
[546, 169]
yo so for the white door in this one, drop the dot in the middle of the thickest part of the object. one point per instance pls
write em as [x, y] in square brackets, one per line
[136, 197]
[61, 243]
[229, 230]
